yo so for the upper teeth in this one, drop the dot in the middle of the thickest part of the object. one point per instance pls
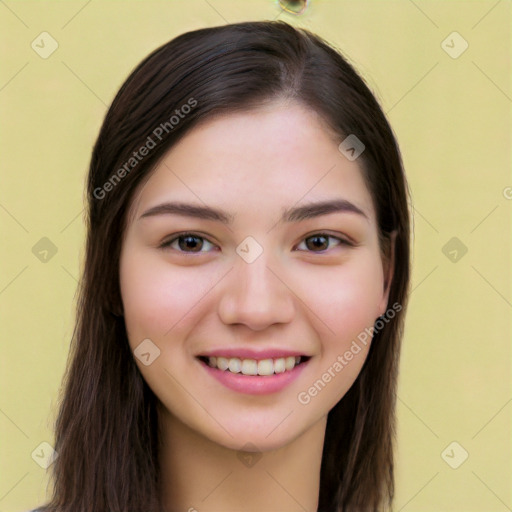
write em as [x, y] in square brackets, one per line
[254, 367]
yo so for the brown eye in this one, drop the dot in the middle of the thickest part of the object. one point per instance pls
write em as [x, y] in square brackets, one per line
[186, 242]
[319, 242]
[192, 242]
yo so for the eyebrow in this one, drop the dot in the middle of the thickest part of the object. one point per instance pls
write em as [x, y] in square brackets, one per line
[294, 214]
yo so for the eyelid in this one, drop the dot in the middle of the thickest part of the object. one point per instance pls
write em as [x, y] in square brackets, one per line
[341, 240]
[165, 245]
[344, 239]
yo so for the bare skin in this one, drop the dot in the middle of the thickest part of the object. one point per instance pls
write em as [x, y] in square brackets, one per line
[293, 296]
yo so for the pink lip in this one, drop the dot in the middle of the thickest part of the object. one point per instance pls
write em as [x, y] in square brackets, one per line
[245, 353]
[254, 384]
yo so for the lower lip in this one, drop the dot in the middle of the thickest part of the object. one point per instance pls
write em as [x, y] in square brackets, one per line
[255, 384]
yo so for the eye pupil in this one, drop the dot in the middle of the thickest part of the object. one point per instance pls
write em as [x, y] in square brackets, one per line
[188, 244]
[318, 245]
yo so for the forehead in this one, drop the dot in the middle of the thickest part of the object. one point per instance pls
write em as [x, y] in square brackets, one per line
[257, 161]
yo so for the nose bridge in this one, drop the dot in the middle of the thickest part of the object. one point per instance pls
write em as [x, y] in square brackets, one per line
[255, 294]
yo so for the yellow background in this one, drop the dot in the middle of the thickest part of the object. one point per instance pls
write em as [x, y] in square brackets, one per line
[452, 119]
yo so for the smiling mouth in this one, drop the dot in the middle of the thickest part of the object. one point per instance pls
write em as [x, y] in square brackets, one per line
[262, 367]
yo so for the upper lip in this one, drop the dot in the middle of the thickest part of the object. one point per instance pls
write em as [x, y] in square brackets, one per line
[246, 353]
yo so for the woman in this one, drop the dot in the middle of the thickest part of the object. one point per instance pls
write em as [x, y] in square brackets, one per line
[244, 288]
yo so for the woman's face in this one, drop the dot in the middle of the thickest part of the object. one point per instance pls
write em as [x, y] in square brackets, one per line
[261, 278]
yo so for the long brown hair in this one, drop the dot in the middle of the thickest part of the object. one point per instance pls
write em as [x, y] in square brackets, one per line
[107, 436]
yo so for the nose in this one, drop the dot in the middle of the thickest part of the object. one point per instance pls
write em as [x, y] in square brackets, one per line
[256, 295]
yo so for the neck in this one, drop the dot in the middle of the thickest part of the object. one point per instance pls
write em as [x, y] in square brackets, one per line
[198, 474]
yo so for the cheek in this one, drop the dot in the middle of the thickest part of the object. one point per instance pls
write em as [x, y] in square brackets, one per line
[345, 306]
[157, 296]
[347, 299]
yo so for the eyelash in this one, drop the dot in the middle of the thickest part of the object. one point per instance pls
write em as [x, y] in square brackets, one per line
[166, 245]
